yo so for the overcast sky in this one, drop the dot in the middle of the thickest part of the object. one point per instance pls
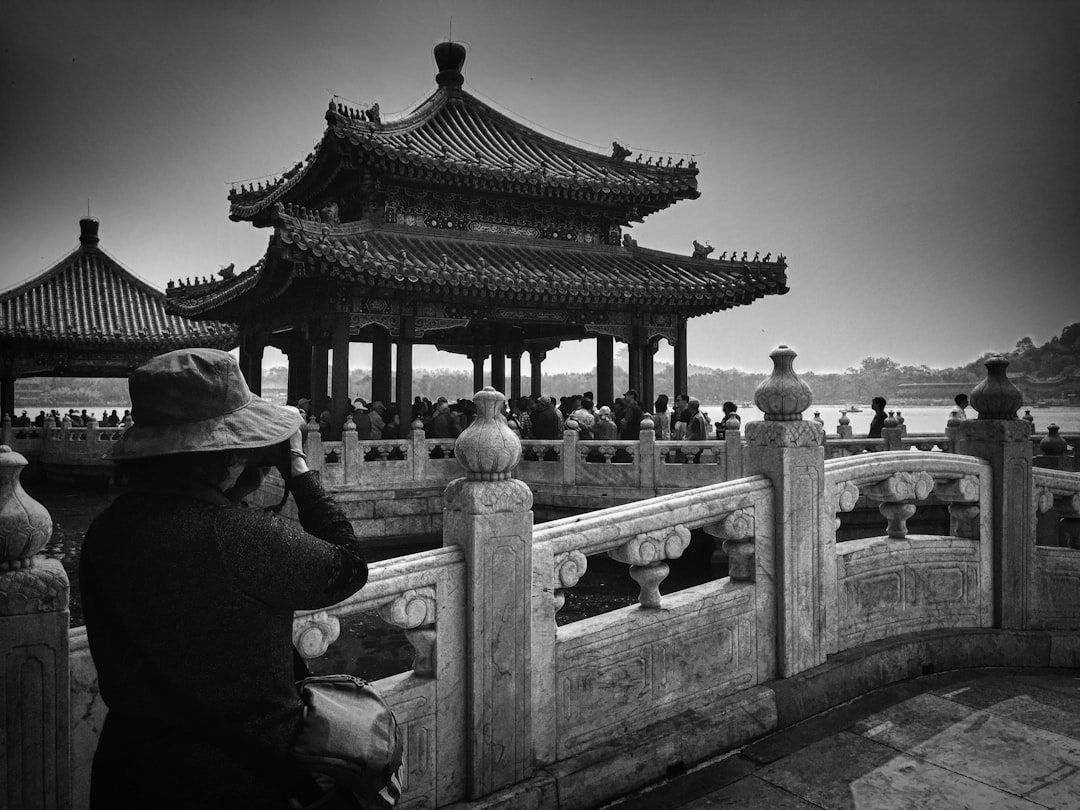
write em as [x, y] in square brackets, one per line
[917, 162]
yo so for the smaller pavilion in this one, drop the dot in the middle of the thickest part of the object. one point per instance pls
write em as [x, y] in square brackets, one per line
[87, 316]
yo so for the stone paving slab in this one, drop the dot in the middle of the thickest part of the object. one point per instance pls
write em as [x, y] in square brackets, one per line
[979, 739]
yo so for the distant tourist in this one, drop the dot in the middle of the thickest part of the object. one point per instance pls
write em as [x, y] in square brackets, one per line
[113, 420]
[546, 423]
[662, 418]
[679, 416]
[630, 424]
[189, 598]
[731, 420]
[697, 428]
[378, 423]
[878, 422]
[961, 401]
[605, 428]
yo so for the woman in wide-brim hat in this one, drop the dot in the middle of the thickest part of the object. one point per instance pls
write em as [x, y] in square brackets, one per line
[189, 596]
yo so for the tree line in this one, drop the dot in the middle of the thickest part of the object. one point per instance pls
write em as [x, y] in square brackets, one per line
[874, 376]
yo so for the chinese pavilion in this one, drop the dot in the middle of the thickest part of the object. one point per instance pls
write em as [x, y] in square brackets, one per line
[87, 316]
[458, 226]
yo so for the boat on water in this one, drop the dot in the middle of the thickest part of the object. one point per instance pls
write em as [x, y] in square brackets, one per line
[1042, 403]
[853, 409]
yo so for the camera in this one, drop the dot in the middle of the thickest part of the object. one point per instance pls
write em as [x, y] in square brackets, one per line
[276, 455]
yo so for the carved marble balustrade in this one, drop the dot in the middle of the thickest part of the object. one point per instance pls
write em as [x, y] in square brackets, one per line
[503, 707]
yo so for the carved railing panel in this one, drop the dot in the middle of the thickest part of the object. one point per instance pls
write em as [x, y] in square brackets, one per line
[704, 642]
[1056, 563]
[422, 595]
[900, 582]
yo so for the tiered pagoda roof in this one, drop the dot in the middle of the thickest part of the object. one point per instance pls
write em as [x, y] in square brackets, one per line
[478, 267]
[454, 139]
[88, 303]
[465, 217]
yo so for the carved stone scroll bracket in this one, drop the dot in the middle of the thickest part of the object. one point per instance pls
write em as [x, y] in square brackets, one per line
[647, 552]
[570, 566]
[964, 520]
[1043, 499]
[414, 608]
[847, 495]
[314, 634]
[901, 486]
[963, 496]
[964, 489]
[414, 612]
[897, 514]
[737, 532]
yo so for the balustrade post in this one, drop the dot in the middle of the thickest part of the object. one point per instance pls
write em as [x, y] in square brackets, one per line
[419, 456]
[999, 437]
[489, 514]
[843, 426]
[788, 451]
[952, 429]
[35, 692]
[646, 455]
[1053, 451]
[569, 458]
[351, 457]
[891, 434]
[313, 446]
[733, 453]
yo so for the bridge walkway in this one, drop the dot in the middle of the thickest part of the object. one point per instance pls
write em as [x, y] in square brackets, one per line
[982, 739]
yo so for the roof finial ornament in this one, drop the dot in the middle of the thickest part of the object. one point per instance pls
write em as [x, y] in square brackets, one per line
[619, 152]
[702, 251]
[450, 58]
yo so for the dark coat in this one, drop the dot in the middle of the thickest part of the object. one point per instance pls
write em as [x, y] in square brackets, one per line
[546, 423]
[189, 604]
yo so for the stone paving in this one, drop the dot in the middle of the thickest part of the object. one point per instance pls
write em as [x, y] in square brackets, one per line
[980, 739]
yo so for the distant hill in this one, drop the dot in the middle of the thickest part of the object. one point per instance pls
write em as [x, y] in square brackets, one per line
[1050, 371]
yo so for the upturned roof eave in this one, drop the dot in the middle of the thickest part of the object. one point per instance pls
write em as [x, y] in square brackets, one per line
[344, 255]
[664, 186]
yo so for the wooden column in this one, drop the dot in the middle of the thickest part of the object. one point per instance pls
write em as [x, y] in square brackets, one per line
[7, 394]
[250, 361]
[498, 362]
[515, 374]
[299, 355]
[478, 356]
[605, 370]
[636, 359]
[403, 392]
[536, 358]
[381, 367]
[648, 351]
[339, 397]
[680, 358]
[320, 366]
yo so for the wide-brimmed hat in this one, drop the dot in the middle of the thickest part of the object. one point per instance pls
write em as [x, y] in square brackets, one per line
[197, 401]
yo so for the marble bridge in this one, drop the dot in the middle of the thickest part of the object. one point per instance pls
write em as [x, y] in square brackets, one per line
[504, 708]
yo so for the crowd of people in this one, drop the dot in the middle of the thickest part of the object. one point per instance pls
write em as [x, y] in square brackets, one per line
[534, 417]
[76, 418]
